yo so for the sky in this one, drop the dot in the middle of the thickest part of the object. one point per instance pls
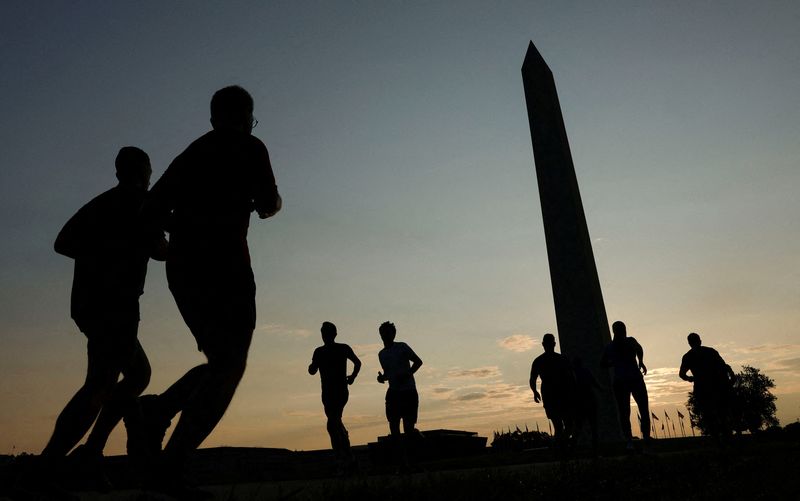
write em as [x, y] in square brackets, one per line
[399, 139]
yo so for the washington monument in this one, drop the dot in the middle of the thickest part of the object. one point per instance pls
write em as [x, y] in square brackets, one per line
[580, 312]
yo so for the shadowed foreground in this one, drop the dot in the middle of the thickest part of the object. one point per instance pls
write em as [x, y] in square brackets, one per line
[679, 469]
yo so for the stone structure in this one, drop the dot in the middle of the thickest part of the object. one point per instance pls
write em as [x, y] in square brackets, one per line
[580, 313]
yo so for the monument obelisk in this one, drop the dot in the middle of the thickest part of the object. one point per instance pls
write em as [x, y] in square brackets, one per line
[580, 312]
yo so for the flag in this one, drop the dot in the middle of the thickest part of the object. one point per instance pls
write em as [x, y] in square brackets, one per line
[681, 415]
[537, 427]
[666, 415]
[662, 426]
[653, 414]
[526, 428]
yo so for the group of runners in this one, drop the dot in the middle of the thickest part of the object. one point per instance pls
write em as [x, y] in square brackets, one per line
[398, 363]
[568, 388]
[204, 200]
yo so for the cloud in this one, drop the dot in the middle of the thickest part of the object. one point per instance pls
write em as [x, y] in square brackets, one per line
[778, 361]
[664, 387]
[518, 343]
[363, 350]
[471, 396]
[301, 414]
[282, 330]
[476, 373]
[791, 364]
[442, 390]
[503, 395]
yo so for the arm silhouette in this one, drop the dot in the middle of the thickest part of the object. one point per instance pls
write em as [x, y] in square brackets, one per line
[356, 365]
[266, 198]
[70, 239]
[683, 372]
[416, 362]
[534, 376]
[640, 355]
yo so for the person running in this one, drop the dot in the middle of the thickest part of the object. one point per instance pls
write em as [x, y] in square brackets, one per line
[111, 250]
[713, 384]
[622, 354]
[204, 200]
[330, 360]
[558, 389]
[399, 364]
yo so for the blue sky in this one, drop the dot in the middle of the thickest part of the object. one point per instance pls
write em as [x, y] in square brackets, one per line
[400, 142]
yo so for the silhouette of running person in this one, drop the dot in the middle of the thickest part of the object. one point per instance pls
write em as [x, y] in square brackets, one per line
[330, 360]
[586, 403]
[204, 200]
[622, 354]
[399, 364]
[111, 249]
[558, 389]
[713, 384]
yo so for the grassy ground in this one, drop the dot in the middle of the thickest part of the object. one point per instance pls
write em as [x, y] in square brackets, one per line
[748, 471]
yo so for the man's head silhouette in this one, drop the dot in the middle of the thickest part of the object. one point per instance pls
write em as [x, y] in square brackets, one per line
[133, 168]
[328, 331]
[694, 340]
[549, 343]
[232, 108]
[619, 329]
[387, 331]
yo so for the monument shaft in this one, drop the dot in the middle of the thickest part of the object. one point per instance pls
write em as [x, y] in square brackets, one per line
[580, 312]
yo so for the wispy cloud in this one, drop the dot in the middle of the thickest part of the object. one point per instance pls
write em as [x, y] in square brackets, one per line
[301, 414]
[364, 350]
[791, 364]
[502, 395]
[476, 373]
[471, 396]
[282, 330]
[664, 387]
[518, 343]
[780, 361]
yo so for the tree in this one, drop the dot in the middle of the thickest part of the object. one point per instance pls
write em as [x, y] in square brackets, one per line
[752, 405]
[755, 403]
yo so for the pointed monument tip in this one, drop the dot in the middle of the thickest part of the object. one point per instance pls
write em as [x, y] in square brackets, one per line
[533, 58]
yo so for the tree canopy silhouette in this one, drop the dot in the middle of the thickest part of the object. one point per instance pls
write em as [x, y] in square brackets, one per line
[753, 407]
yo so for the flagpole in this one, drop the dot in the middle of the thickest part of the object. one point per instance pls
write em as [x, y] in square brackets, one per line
[653, 419]
[666, 416]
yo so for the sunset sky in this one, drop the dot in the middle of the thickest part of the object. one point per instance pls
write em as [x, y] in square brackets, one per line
[399, 138]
